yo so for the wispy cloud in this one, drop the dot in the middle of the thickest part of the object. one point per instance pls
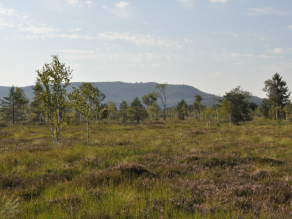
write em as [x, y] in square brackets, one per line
[121, 9]
[218, 1]
[188, 41]
[76, 29]
[10, 18]
[229, 33]
[267, 57]
[138, 39]
[266, 11]
[186, 4]
[124, 57]
[78, 3]
[277, 51]
[290, 26]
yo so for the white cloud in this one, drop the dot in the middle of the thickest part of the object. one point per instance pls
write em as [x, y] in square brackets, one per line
[73, 2]
[249, 55]
[89, 3]
[290, 26]
[121, 57]
[104, 7]
[218, 1]
[290, 49]
[122, 9]
[267, 57]
[37, 29]
[78, 3]
[266, 11]
[147, 40]
[186, 4]
[9, 12]
[279, 51]
[188, 41]
[230, 33]
[235, 55]
[76, 29]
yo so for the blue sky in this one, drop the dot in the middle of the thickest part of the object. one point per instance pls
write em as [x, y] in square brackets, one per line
[213, 45]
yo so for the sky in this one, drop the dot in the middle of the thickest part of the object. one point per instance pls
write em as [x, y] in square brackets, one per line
[213, 45]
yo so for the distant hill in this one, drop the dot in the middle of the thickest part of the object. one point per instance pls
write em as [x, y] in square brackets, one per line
[119, 91]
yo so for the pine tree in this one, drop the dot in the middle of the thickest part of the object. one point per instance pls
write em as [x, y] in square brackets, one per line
[123, 110]
[197, 105]
[182, 109]
[137, 111]
[277, 93]
[14, 107]
[36, 107]
[239, 105]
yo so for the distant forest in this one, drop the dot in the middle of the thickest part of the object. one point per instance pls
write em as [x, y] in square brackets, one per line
[119, 91]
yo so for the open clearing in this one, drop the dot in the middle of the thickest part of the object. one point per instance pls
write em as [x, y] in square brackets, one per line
[173, 169]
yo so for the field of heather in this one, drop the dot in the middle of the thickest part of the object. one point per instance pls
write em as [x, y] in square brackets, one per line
[172, 169]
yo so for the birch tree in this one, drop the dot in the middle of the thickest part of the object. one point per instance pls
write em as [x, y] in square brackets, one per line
[52, 81]
[85, 100]
[162, 96]
[150, 100]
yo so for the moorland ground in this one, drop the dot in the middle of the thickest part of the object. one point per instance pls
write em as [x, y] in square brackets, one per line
[172, 169]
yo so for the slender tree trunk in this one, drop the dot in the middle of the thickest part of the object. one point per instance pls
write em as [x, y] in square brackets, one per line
[88, 133]
[13, 110]
[96, 119]
[164, 113]
[52, 130]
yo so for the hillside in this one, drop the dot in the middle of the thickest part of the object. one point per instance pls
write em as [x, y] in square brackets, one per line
[119, 91]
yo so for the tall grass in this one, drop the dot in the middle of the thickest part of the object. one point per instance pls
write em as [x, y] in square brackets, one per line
[172, 169]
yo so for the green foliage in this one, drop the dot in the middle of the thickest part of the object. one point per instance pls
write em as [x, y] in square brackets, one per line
[123, 110]
[151, 101]
[237, 105]
[197, 105]
[162, 96]
[278, 96]
[52, 81]
[137, 111]
[182, 109]
[112, 110]
[35, 107]
[15, 106]
[85, 100]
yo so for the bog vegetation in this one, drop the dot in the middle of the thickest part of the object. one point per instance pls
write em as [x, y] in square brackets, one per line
[73, 156]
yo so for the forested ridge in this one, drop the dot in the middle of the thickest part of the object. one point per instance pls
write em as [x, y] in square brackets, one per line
[119, 91]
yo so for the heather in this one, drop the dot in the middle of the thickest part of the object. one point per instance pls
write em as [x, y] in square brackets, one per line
[155, 169]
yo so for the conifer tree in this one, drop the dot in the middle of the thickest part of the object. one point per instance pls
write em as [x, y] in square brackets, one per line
[182, 109]
[14, 107]
[277, 94]
[123, 110]
[137, 111]
[197, 105]
[238, 101]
